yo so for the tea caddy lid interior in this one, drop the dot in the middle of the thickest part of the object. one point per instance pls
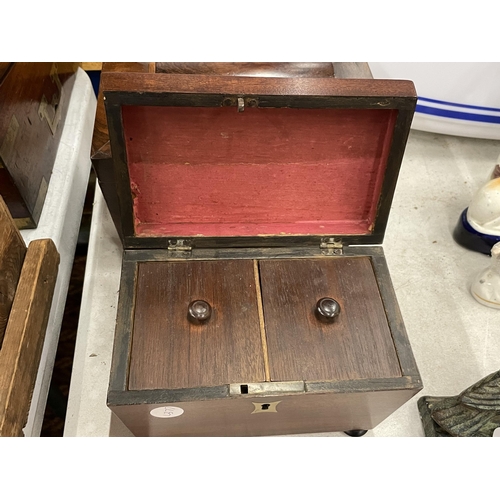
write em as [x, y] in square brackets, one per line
[228, 158]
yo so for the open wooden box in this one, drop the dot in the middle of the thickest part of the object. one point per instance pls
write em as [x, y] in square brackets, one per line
[244, 202]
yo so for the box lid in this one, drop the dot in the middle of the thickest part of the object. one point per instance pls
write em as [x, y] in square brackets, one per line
[238, 161]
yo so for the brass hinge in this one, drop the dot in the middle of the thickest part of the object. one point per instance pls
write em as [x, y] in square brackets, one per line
[185, 245]
[331, 246]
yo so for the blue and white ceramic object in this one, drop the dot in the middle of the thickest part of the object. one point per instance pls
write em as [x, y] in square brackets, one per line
[478, 227]
[460, 99]
[486, 287]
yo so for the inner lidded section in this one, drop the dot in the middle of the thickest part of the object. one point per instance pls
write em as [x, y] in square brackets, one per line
[212, 171]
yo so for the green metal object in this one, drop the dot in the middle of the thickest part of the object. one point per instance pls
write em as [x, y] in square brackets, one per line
[473, 413]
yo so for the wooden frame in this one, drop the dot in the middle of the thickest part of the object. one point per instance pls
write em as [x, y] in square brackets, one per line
[28, 314]
[100, 141]
[102, 160]
[189, 90]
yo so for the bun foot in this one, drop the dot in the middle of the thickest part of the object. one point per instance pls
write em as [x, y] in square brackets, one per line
[356, 433]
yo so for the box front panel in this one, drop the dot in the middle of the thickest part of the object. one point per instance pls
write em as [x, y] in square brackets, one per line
[257, 416]
[208, 380]
[355, 345]
[171, 351]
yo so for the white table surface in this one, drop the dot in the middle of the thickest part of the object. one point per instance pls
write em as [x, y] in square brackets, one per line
[455, 340]
[60, 221]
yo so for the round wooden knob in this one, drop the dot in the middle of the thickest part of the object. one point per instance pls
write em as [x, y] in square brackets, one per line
[327, 309]
[199, 311]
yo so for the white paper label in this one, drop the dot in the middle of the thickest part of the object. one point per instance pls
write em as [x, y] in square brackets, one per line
[167, 412]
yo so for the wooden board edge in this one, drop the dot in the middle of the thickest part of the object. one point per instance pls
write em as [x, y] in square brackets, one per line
[6, 217]
[159, 397]
[365, 385]
[134, 88]
[394, 317]
[25, 334]
[12, 254]
[122, 343]
[165, 396]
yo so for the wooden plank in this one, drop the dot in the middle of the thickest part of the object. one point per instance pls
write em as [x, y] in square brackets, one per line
[12, 252]
[170, 352]
[357, 345]
[24, 335]
[139, 83]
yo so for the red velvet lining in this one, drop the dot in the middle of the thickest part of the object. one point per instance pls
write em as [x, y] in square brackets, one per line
[265, 171]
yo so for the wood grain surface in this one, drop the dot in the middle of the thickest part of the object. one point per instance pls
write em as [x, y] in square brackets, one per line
[12, 252]
[358, 345]
[170, 352]
[24, 335]
[230, 85]
[266, 69]
[4, 68]
[350, 369]
[30, 133]
[340, 410]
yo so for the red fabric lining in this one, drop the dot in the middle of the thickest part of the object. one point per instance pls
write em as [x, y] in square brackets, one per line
[216, 172]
